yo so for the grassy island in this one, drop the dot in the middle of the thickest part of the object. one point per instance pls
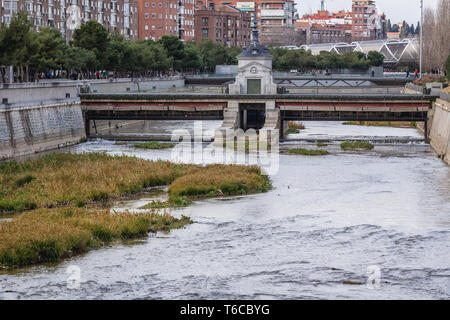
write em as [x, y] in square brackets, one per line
[49, 235]
[154, 145]
[64, 200]
[308, 152]
[356, 145]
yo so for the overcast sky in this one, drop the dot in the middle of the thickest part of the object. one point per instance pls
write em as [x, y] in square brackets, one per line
[396, 10]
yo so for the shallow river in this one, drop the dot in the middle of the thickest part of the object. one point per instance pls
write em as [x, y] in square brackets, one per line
[327, 221]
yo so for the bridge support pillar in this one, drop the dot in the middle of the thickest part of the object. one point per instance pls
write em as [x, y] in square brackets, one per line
[87, 126]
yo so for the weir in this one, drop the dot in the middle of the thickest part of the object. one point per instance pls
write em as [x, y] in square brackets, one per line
[255, 101]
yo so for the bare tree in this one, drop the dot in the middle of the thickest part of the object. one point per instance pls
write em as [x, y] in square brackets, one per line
[436, 36]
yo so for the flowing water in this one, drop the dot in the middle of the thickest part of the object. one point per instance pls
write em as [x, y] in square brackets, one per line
[327, 222]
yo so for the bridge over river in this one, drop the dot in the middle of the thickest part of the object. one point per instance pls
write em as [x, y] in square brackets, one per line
[257, 111]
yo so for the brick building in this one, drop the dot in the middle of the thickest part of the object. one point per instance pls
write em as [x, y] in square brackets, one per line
[222, 23]
[158, 18]
[273, 18]
[365, 20]
[67, 15]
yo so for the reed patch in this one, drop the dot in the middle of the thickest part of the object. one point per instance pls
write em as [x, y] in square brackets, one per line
[50, 235]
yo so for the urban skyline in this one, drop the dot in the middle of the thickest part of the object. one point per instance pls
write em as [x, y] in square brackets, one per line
[396, 11]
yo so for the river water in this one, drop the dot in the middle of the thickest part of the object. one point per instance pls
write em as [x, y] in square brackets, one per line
[350, 217]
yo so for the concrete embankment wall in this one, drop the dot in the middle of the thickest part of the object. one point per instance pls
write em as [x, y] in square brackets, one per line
[38, 118]
[440, 129]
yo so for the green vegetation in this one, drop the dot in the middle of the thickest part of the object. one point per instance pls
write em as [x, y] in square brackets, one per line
[66, 179]
[153, 145]
[308, 152]
[174, 202]
[356, 145]
[65, 190]
[302, 61]
[294, 127]
[93, 49]
[402, 124]
[218, 180]
[321, 144]
[49, 235]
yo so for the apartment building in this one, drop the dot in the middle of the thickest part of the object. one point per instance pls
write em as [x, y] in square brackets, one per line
[223, 24]
[186, 19]
[158, 18]
[273, 18]
[67, 15]
[365, 20]
[326, 27]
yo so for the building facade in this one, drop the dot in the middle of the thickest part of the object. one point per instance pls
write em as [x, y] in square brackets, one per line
[223, 24]
[158, 18]
[326, 27]
[67, 15]
[273, 18]
[186, 19]
[365, 20]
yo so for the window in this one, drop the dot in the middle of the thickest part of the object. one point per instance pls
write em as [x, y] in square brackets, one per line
[146, 27]
[204, 32]
[205, 21]
[146, 4]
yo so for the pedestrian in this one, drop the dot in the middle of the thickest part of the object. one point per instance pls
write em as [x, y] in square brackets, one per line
[407, 74]
[416, 74]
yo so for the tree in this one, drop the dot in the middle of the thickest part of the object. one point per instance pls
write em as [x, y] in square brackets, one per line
[192, 57]
[80, 60]
[375, 58]
[175, 50]
[119, 54]
[51, 50]
[19, 43]
[417, 31]
[92, 36]
[212, 53]
[436, 37]
[447, 67]
[404, 32]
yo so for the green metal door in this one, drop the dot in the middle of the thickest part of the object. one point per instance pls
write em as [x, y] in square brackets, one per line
[253, 86]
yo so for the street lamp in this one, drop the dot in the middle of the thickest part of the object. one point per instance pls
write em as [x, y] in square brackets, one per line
[421, 36]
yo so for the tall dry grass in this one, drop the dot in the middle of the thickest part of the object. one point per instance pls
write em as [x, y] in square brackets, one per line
[49, 235]
[218, 179]
[76, 179]
[66, 179]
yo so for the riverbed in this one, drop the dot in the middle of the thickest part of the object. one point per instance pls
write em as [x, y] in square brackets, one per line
[327, 222]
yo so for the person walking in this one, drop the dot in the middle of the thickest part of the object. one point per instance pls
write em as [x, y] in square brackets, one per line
[407, 74]
[416, 74]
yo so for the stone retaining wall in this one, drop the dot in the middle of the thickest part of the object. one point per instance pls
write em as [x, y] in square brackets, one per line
[30, 129]
[440, 129]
